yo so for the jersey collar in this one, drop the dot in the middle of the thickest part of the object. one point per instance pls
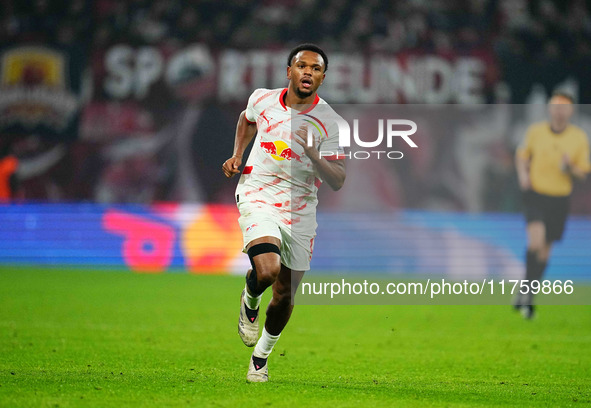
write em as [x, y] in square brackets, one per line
[312, 106]
[557, 133]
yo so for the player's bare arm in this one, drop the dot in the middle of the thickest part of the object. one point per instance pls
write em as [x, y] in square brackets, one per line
[569, 167]
[333, 171]
[522, 166]
[560, 109]
[245, 132]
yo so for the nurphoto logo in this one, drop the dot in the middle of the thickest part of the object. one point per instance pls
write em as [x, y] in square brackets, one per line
[388, 129]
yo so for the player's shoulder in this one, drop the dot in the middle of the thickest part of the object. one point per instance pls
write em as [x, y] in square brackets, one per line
[577, 131]
[262, 91]
[261, 94]
[322, 103]
[324, 109]
[538, 127]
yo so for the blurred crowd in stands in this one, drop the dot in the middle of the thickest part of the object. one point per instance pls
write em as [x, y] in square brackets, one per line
[544, 42]
[541, 41]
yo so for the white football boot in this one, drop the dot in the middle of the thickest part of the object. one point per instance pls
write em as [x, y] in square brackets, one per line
[258, 370]
[248, 323]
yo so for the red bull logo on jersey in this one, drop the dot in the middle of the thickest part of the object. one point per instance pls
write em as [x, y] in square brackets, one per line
[269, 147]
[279, 150]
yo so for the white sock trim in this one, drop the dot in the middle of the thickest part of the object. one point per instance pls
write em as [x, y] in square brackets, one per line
[252, 302]
[265, 344]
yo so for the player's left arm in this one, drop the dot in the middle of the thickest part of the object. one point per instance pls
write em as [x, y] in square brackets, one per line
[579, 166]
[331, 171]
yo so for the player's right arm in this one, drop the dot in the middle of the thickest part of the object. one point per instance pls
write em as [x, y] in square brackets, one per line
[522, 159]
[578, 166]
[245, 131]
[522, 166]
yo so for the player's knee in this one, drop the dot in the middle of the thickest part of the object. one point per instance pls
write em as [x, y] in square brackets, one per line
[536, 243]
[536, 238]
[264, 269]
[534, 247]
[267, 273]
[544, 253]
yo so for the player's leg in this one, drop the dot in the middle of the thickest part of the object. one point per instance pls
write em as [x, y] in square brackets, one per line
[538, 250]
[555, 216]
[265, 262]
[278, 314]
[554, 212]
[536, 231]
[281, 305]
[265, 259]
[543, 257]
[536, 245]
[539, 247]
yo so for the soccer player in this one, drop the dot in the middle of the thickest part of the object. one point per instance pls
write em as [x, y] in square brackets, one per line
[277, 194]
[553, 153]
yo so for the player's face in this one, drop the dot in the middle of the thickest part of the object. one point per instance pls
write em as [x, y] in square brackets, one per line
[306, 73]
[560, 109]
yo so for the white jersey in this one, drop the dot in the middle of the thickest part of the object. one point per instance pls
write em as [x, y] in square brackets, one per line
[278, 177]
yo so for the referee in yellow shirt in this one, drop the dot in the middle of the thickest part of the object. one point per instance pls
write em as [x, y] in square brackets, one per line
[553, 153]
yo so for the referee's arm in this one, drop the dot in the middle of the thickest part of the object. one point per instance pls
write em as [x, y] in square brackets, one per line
[579, 166]
[522, 160]
[574, 170]
[522, 167]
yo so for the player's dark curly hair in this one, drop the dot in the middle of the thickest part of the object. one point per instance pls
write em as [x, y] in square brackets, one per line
[308, 47]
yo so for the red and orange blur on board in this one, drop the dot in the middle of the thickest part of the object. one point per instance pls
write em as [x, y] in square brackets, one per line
[208, 237]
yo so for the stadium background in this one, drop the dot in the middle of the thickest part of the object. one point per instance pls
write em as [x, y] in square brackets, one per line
[121, 114]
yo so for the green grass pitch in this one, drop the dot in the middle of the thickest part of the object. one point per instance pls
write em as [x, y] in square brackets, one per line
[112, 339]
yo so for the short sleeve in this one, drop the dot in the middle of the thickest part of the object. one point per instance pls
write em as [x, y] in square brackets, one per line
[524, 150]
[581, 159]
[251, 114]
[329, 147]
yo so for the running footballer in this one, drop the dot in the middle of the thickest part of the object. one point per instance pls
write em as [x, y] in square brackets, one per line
[277, 194]
[553, 154]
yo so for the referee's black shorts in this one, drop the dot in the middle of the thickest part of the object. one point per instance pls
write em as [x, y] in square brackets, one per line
[551, 210]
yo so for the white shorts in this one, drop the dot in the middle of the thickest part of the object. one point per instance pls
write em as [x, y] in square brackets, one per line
[255, 222]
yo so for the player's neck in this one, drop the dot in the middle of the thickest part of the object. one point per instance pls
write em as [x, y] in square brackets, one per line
[558, 127]
[291, 99]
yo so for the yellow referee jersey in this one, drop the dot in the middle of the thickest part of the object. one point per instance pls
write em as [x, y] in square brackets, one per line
[544, 149]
